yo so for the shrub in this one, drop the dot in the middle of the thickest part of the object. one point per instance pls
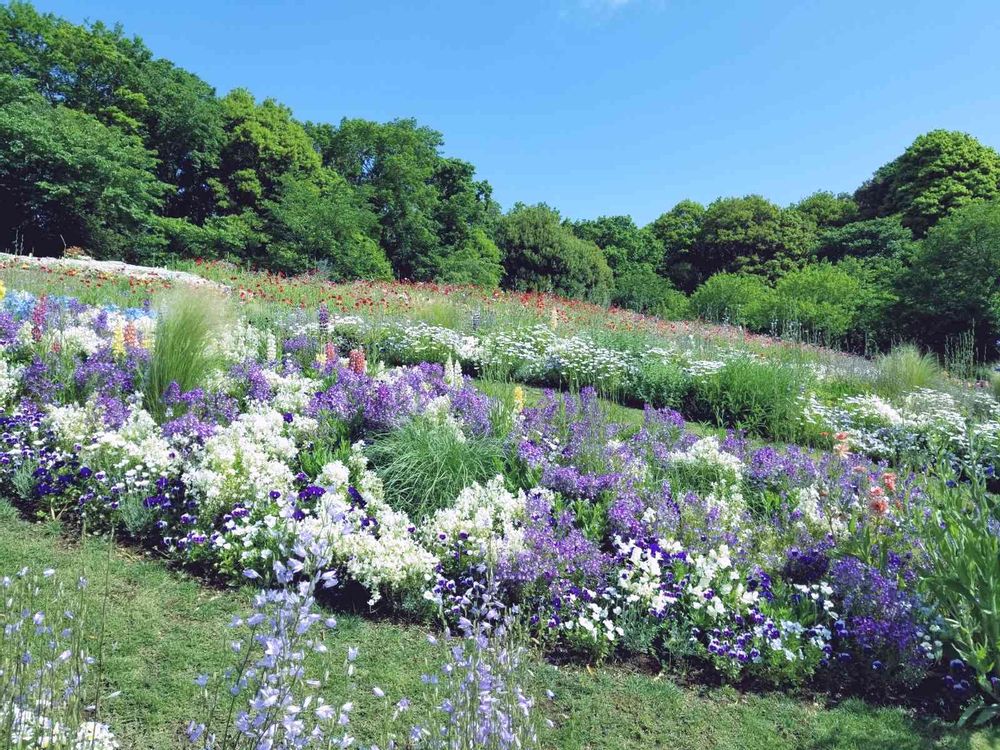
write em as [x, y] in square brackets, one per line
[541, 254]
[425, 464]
[662, 384]
[754, 396]
[961, 540]
[820, 299]
[641, 288]
[954, 283]
[736, 298]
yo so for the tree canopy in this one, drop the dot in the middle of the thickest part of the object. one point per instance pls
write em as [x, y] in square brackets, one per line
[939, 172]
[105, 146]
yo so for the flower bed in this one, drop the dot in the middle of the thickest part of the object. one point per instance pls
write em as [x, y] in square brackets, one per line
[760, 564]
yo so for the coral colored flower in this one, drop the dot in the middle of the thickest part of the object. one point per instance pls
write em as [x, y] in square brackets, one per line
[878, 505]
[356, 362]
[889, 480]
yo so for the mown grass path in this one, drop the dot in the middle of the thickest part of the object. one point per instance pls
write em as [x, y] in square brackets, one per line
[164, 627]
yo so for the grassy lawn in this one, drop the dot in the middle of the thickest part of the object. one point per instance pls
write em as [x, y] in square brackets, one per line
[163, 628]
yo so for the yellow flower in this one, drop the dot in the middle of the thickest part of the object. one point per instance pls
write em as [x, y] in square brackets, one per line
[3, 290]
[518, 399]
[118, 341]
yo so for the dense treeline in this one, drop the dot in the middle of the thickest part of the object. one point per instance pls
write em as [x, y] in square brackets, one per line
[105, 147]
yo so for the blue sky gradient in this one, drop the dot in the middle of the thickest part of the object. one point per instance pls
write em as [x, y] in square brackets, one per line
[609, 106]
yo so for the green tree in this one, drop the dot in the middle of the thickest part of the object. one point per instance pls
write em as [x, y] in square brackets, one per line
[750, 234]
[676, 231]
[541, 254]
[263, 147]
[876, 326]
[67, 179]
[953, 285]
[819, 299]
[322, 224]
[885, 237]
[393, 165]
[828, 210]
[624, 244]
[641, 288]
[98, 70]
[476, 261]
[463, 211]
[432, 212]
[939, 172]
[740, 298]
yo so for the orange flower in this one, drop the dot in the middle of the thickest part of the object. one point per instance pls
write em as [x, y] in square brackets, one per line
[878, 505]
[840, 436]
[889, 480]
[877, 502]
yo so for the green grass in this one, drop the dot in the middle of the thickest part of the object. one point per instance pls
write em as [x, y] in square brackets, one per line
[188, 323]
[906, 369]
[424, 465]
[164, 627]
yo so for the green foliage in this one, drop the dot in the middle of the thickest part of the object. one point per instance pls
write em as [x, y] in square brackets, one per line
[662, 384]
[642, 288]
[262, 146]
[428, 207]
[476, 261]
[750, 234]
[425, 464]
[906, 369]
[98, 70]
[827, 210]
[821, 299]
[953, 285]
[963, 580]
[676, 231]
[875, 325]
[939, 172]
[67, 178]
[321, 224]
[753, 395]
[885, 237]
[541, 254]
[742, 299]
[624, 245]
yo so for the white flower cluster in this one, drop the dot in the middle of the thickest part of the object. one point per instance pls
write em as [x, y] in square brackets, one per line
[707, 453]
[35, 730]
[137, 446]
[245, 461]
[376, 545]
[238, 342]
[485, 523]
[880, 428]
[641, 576]
[291, 392]
[592, 617]
[419, 341]
[10, 380]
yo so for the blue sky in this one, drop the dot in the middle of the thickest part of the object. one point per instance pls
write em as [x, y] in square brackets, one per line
[609, 106]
